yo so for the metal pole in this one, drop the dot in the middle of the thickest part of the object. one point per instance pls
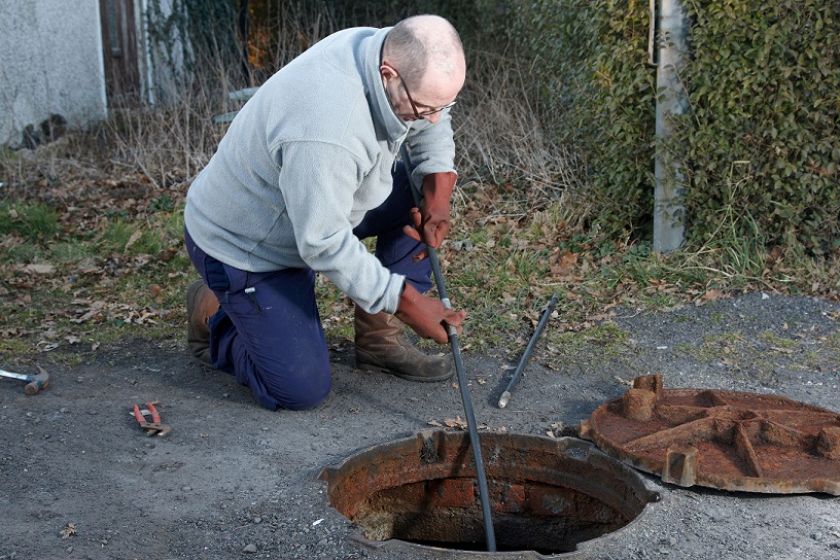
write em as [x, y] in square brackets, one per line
[672, 101]
[483, 492]
[523, 361]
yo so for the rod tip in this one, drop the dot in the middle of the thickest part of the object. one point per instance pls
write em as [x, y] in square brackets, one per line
[504, 399]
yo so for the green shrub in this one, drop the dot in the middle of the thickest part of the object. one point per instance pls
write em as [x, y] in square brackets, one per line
[763, 132]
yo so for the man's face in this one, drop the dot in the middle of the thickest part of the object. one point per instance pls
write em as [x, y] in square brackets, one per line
[426, 100]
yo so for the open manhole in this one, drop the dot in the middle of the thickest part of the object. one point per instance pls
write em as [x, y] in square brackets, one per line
[722, 439]
[547, 496]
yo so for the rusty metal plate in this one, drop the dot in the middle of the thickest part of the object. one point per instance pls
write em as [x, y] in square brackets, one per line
[722, 439]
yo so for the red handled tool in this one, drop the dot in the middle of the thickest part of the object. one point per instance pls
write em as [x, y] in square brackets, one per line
[155, 427]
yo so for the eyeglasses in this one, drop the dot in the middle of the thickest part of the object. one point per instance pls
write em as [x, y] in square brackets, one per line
[421, 114]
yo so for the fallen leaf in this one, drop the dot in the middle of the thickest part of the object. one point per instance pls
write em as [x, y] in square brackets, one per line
[133, 239]
[562, 264]
[68, 531]
[709, 295]
[39, 268]
[456, 423]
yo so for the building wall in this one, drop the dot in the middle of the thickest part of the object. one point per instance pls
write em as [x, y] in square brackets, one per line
[50, 62]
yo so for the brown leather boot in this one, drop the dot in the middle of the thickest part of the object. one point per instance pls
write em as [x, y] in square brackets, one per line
[201, 305]
[382, 345]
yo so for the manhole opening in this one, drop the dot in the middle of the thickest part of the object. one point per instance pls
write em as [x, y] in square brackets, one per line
[545, 494]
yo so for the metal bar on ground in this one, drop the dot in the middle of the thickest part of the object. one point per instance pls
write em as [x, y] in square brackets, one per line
[480, 474]
[523, 361]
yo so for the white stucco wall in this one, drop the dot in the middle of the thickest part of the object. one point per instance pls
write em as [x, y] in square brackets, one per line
[50, 62]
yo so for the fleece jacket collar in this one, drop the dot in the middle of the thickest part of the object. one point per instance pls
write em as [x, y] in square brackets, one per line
[386, 121]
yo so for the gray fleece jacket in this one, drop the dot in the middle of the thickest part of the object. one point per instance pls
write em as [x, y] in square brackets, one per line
[302, 163]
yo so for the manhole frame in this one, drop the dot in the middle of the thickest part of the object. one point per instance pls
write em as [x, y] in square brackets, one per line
[574, 449]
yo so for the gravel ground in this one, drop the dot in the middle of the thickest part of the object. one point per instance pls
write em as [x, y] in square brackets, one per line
[79, 480]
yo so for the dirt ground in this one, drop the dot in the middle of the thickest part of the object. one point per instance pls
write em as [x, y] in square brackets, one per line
[79, 479]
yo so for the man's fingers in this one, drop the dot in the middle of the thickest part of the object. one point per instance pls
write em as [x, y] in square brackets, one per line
[412, 233]
[455, 318]
[441, 339]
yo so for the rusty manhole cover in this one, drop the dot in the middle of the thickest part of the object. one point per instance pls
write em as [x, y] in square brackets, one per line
[547, 495]
[722, 439]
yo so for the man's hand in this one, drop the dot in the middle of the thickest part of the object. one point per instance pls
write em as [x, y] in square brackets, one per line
[430, 223]
[427, 316]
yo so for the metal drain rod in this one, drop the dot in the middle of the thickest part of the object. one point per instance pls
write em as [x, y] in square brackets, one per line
[480, 474]
[523, 361]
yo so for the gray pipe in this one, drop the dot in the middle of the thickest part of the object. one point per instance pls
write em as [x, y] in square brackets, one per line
[672, 100]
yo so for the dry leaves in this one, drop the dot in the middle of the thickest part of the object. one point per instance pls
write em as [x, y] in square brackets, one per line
[68, 531]
[38, 268]
[563, 263]
[456, 423]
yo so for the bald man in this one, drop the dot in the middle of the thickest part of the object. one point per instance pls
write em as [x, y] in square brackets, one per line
[307, 170]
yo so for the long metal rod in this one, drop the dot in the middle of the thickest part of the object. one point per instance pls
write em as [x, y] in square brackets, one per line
[484, 494]
[523, 361]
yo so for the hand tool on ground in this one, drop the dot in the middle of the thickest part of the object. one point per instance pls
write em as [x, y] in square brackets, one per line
[155, 427]
[468, 408]
[34, 383]
[523, 361]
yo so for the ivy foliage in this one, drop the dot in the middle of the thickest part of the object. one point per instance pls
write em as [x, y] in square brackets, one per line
[591, 64]
[189, 35]
[763, 134]
[760, 144]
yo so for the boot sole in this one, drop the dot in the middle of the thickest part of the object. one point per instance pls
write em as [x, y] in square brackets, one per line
[407, 377]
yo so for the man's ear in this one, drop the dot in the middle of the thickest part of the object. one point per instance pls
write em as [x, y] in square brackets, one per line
[386, 71]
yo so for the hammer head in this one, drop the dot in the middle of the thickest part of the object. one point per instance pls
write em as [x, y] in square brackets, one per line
[37, 382]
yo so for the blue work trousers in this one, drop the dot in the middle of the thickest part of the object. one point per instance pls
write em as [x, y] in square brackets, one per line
[268, 332]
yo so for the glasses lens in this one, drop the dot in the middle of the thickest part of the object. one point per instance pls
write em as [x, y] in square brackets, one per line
[438, 110]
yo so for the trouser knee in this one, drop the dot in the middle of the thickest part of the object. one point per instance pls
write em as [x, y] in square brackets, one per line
[297, 391]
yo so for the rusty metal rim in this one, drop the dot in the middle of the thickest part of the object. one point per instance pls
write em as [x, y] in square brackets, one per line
[576, 446]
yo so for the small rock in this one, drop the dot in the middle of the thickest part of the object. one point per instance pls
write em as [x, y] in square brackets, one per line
[663, 550]
[63, 410]
[186, 489]
[69, 549]
[322, 542]
[258, 520]
[250, 548]
[225, 395]
[817, 536]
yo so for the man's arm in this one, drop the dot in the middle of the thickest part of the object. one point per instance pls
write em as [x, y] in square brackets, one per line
[429, 152]
[429, 148]
[318, 181]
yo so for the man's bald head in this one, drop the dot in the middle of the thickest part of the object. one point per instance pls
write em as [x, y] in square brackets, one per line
[426, 46]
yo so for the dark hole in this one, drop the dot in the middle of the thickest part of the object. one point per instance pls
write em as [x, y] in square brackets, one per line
[527, 515]
[544, 496]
